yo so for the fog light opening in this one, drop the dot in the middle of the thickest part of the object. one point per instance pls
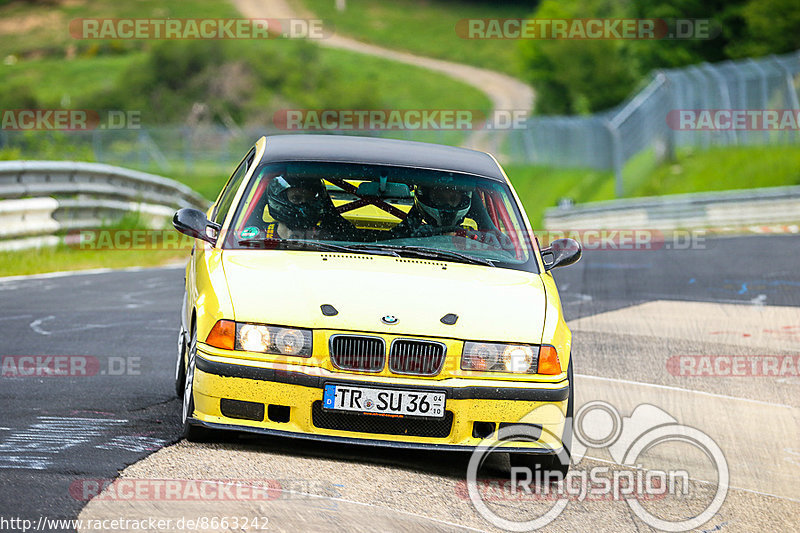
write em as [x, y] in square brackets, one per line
[481, 430]
[242, 410]
[279, 413]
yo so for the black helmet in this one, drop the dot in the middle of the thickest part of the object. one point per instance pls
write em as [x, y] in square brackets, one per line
[442, 205]
[302, 215]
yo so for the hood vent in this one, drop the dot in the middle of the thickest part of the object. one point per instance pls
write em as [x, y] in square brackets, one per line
[328, 310]
[449, 319]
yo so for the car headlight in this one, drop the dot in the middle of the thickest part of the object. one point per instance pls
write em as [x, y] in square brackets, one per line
[273, 339]
[293, 341]
[253, 338]
[496, 357]
[261, 338]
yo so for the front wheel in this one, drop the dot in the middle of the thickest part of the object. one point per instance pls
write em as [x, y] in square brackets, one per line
[180, 366]
[191, 432]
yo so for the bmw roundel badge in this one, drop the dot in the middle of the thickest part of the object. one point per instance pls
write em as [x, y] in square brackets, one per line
[389, 320]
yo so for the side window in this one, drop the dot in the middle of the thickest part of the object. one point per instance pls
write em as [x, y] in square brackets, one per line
[226, 198]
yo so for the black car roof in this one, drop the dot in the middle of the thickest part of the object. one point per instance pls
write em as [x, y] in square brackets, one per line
[371, 150]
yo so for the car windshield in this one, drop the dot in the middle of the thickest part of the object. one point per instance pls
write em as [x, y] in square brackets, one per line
[384, 210]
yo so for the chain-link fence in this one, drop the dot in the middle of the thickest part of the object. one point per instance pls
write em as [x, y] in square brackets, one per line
[169, 150]
[638, 128]
[644, 123]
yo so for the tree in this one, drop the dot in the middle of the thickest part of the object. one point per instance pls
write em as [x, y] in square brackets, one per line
[581, 76]
[770, 27]
[578, 76]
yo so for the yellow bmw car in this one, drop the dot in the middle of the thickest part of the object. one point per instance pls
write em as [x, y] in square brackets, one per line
[375, 292]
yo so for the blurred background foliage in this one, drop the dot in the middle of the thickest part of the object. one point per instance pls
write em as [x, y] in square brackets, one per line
[585, 76]
[236, 81]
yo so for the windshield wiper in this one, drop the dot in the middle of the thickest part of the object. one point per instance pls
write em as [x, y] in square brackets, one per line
[314, 245]
[424, 251]
[377, 249]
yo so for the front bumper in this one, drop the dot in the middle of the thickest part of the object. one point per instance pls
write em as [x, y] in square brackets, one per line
[298, 391]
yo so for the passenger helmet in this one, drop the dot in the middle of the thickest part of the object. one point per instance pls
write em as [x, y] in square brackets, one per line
[443, 205]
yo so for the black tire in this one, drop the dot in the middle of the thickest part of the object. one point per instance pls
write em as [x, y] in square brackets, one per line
[553, 463]
[180, 367]
[191, 432]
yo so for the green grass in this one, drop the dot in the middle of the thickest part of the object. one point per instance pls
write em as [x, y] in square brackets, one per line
[74, 257]
[60, 71]
[406, 86]
[36, 261]
[716, 169]
[425, 27]
[59, 83]
[43, 28]
[207, 180]
[56, 83]
[542, 187]
[722, 169]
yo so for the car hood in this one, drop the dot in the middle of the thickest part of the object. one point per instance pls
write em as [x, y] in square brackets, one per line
[288, 288]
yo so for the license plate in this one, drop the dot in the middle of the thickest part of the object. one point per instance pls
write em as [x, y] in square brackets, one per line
[395, 402]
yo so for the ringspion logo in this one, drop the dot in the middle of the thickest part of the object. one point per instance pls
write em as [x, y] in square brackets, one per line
[627, 439]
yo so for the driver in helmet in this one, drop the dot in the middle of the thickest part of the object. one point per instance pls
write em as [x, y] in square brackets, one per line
[437, 210]
[301, 209]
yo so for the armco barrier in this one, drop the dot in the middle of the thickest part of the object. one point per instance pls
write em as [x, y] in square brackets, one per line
[725, 209]
[41, 198]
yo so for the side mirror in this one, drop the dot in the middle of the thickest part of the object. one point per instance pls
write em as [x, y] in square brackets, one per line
[193, 223]
[561, 252]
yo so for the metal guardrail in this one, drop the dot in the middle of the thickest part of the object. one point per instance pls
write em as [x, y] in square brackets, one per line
[725, 209]
[41, 198]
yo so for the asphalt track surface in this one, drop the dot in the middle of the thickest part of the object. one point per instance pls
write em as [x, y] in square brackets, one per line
[630, 311]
